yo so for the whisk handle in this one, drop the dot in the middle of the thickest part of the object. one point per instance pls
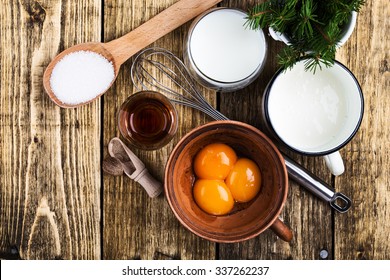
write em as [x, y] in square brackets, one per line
[166, 21]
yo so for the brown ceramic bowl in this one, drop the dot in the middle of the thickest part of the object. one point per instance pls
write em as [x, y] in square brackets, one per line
[246, 220]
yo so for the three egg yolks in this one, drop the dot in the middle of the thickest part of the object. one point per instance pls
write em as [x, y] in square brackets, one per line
[223, 179]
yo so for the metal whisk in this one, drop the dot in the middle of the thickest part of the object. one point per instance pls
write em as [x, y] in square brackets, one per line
[163, 63]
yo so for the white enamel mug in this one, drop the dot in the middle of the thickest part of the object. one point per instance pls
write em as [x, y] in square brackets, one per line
[314, 114]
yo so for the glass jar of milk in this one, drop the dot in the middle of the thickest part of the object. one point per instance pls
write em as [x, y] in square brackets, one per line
[221, 53]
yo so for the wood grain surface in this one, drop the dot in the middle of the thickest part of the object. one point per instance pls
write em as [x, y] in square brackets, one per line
[55, 202]
[364, 231]
[50, 159]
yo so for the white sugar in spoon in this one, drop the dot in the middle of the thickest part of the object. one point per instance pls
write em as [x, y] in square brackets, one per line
[121, 49]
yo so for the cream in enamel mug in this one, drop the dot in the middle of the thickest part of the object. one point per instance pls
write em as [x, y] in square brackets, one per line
[314, 114]
[221, 53]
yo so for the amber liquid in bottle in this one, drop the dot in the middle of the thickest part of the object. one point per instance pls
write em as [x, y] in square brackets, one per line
[147, 121]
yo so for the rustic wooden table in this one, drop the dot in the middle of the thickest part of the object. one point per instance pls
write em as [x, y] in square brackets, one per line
[57, 204]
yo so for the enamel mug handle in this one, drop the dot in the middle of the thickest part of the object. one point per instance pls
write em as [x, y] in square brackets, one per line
[335, 163]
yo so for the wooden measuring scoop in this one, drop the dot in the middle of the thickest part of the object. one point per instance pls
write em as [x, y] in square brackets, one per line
[121, 49]
[133, 167]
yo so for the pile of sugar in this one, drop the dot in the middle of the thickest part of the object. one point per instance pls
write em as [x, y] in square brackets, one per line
[81, 76]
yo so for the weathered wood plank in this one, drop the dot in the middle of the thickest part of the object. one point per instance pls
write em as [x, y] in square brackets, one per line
[363, 233]
[136, 226]
[50, 157]
[308, 217]
[49, 170]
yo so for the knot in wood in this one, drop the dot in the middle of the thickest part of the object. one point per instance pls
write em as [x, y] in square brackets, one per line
[35, 10]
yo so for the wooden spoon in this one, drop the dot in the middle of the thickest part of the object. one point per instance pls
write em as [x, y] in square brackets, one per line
[121, 49]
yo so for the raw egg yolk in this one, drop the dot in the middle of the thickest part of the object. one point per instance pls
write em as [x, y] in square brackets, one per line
[214, 161]
[213, 196]
[244, 180]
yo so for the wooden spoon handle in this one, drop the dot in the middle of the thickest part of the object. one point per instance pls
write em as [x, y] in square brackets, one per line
[166, 21]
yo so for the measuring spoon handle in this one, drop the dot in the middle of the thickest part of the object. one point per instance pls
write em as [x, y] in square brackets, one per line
[163, 23]
[315, 185]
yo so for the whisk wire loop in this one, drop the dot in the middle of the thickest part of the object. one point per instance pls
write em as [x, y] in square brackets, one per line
[169, 67]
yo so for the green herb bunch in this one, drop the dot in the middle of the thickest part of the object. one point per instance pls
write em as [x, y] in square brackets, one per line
[313, 26]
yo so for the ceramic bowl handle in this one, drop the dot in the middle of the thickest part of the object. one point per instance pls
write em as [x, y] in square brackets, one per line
[281, 230]
[335, 163]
